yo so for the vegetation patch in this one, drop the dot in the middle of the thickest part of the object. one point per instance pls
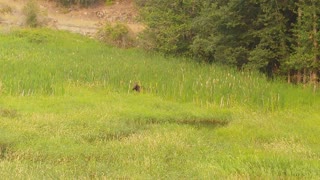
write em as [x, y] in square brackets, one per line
[203, 123]
[31, 11]
[105, 137]
[109, 2]
[34, 16]
[77, 2]
[5, 9]
[83, 120]
[3, 150]
[278, 39]
[9, 113]
[116, 34]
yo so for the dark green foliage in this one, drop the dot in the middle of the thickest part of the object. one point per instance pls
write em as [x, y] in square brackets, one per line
[304, 54]
[264, 35]
[169, 24]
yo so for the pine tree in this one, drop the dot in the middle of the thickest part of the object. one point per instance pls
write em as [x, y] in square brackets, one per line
[305, 57]
[169, 24]
[271, 36]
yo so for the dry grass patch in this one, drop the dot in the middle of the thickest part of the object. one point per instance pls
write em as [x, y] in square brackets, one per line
[287, 146]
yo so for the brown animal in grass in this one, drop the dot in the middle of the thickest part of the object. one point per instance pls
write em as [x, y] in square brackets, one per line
[136, 87]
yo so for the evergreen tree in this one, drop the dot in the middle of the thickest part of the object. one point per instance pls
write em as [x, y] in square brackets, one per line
[221, 32]
[271, 36]
[169, 24]
[305, 57]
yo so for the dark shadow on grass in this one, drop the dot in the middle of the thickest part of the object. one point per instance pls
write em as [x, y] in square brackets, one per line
[138, 125]
[4, 148]
[205, 123]
[8, 113]
[94, 138]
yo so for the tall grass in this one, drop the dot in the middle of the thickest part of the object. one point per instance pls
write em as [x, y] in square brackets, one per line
[42, 61]
[67, 111]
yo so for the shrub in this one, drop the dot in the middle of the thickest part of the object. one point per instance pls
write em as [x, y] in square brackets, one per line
[31, 10]
[35, 36]
[116, 34]
[147, 40]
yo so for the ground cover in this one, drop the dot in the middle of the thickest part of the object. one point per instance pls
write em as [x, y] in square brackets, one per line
[67, 110]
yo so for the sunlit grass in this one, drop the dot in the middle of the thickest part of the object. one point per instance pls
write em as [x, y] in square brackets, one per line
[110, 135]
[42, 62]
[67, 110]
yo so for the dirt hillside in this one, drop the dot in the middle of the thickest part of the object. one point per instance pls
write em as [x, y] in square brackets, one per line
[76, 19]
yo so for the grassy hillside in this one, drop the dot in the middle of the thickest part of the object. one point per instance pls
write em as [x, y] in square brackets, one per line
[67, 111]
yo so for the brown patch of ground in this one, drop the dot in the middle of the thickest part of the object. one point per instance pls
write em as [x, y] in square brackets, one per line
[75, 19]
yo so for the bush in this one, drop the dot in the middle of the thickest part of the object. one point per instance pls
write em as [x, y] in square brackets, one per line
[34, 16]
[118, 35]
[147, 40]
[31, 10]
[35, 36]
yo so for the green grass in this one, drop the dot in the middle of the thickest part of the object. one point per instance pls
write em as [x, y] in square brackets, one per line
[67, 111]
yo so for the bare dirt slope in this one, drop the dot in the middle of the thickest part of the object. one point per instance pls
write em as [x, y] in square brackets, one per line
[76, 19]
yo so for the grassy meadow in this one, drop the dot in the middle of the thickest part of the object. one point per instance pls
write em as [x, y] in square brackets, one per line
[67, 110]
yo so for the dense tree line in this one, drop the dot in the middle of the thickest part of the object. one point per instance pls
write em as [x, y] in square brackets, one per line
[278, 37]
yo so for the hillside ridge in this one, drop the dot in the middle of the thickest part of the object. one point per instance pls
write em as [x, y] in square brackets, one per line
[76, 19]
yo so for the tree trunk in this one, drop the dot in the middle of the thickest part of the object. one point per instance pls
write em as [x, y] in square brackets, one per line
[304, 80]
[314, 80]
[314, 77]
[298, 77]
[299, 45]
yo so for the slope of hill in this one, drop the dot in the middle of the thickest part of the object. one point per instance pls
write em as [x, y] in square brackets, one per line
[67, 111]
